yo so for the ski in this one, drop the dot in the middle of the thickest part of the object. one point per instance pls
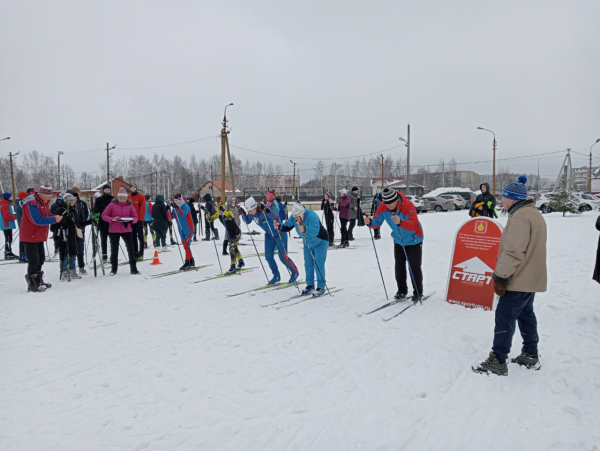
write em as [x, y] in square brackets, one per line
[282, 287]
[296, 296]
[412, 304]
[389, 304]
[220, 276]
[278, 285]
[178, 271]
[306, 298]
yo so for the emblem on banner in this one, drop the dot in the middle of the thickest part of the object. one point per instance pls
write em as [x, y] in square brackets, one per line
[480, 227]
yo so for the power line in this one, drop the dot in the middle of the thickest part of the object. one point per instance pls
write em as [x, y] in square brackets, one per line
[314, 158]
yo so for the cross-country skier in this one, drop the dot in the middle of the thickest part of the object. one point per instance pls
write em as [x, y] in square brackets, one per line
[148, 223]
[194, 214]
[265, 218]
[209, 210]
[233, 233]
[316, 242]
[19, 213]
[407, 232]
[185, 226]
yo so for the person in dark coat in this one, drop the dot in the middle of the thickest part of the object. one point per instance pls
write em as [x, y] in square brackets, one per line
[377, 199]
[354, 211]
[597, 268]
[160, 222]
[327, 205]
[99, 206]
[194, 214]
[83, 214]
[67, 232]
[485, 203]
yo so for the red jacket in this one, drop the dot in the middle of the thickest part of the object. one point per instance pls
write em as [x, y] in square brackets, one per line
[5, 210]
[139, 204]
[36, 219]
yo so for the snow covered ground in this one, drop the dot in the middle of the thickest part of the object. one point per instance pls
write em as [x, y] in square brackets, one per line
[133, 363]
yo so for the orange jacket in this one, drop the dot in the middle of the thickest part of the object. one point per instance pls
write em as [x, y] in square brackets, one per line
[139, 204]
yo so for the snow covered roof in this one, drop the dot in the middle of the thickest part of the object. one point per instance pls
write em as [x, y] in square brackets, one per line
[438, 191]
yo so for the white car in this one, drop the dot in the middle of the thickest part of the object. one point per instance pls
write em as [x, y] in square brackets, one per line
[590, 201]
[421, 205]
[459, 202]
[543, 203]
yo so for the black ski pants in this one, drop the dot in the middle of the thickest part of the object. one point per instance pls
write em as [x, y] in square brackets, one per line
[351, 228]
[103, 226]
[415, 257]
[35, 257]
[138, 238]
[127, 238]
[8, 238]
[329, 227]
[344, 228]
[81, 250]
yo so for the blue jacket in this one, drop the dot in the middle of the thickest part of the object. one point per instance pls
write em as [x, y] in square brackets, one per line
[7, 215]
[314, 229]
[148, 214]
[409, 231]
[259, 218]
[184, 220]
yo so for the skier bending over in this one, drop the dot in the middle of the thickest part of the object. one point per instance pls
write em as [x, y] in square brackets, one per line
[316, 242]
[265, 218]
[232, 235]
[401, 215]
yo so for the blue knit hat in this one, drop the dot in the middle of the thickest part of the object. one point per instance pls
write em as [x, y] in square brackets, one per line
[516, 190]
[106, 185]
[6, 196]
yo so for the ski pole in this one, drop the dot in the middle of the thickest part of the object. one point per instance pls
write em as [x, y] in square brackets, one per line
[315, 261]
[257, 254]
[176, 240]
[412, 276]
[377, 257]
[284, 251]
[211, 228]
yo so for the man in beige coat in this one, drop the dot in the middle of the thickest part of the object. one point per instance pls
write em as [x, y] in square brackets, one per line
[520, 273]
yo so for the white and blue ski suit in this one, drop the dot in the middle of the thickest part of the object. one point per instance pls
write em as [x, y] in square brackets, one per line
[318, 240]
[272, 239]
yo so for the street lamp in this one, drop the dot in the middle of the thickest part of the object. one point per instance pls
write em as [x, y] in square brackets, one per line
[4, 139]
[494, 170]
[293, 180]
[225, 115]
[60, 152]
[590, 174]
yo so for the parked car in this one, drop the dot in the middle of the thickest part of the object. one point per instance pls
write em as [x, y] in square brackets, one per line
[439, 203]
[543, 204]
[589, 201]
[422, 205]
[458, 201]
[365, 205]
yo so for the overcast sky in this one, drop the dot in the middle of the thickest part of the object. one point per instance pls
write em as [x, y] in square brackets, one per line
[308, 78]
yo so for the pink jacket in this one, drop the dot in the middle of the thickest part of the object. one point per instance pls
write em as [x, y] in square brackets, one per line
[344, 207]
[125, 210]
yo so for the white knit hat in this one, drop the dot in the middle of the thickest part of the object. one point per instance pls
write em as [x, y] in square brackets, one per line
[297, 209]
[344, 191]
[250, 204]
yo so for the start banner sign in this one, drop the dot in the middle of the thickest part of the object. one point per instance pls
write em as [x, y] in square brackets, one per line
[473, 262]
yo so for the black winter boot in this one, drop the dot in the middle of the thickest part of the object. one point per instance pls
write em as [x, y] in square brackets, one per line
[41, 279]
[32, 284]
[192, 263]
[186, 266]
[216, 234]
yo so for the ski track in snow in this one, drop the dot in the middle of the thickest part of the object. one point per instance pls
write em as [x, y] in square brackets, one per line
[125, 363]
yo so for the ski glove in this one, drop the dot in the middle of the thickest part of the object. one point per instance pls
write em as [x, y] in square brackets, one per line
[499, 288]
[241, 211]
[221, 208]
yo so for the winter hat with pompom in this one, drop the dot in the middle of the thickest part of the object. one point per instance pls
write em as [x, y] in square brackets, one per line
[516, 190]
[122, 192]
[46, 190]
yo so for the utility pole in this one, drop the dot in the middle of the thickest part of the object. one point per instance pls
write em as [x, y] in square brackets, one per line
[382, 172]
[590, 172]
[494, 166]
[224, 148]
[293, 181]
[12, 177]
[108, 149]
[408, 160]
[59, 154]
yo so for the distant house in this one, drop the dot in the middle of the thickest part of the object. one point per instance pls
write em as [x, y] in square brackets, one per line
[213, 187]
[116, 185]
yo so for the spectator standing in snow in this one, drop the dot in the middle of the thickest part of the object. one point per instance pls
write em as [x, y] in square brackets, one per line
[121, 214]
[596, 276]
[354, 204]
[139, 204]
[401, 215]
[34, 232]
[19, 213]
[344, 209]
[485, 203]
[520, 273]
[7, 224]
[160, 222]
[327, 205]
[100, 205]
[67, 233]
[82, 215]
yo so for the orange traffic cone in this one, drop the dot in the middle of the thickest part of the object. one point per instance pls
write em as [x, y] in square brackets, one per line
[155, 260]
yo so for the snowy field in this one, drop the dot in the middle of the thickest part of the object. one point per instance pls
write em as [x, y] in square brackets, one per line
[134, 363]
